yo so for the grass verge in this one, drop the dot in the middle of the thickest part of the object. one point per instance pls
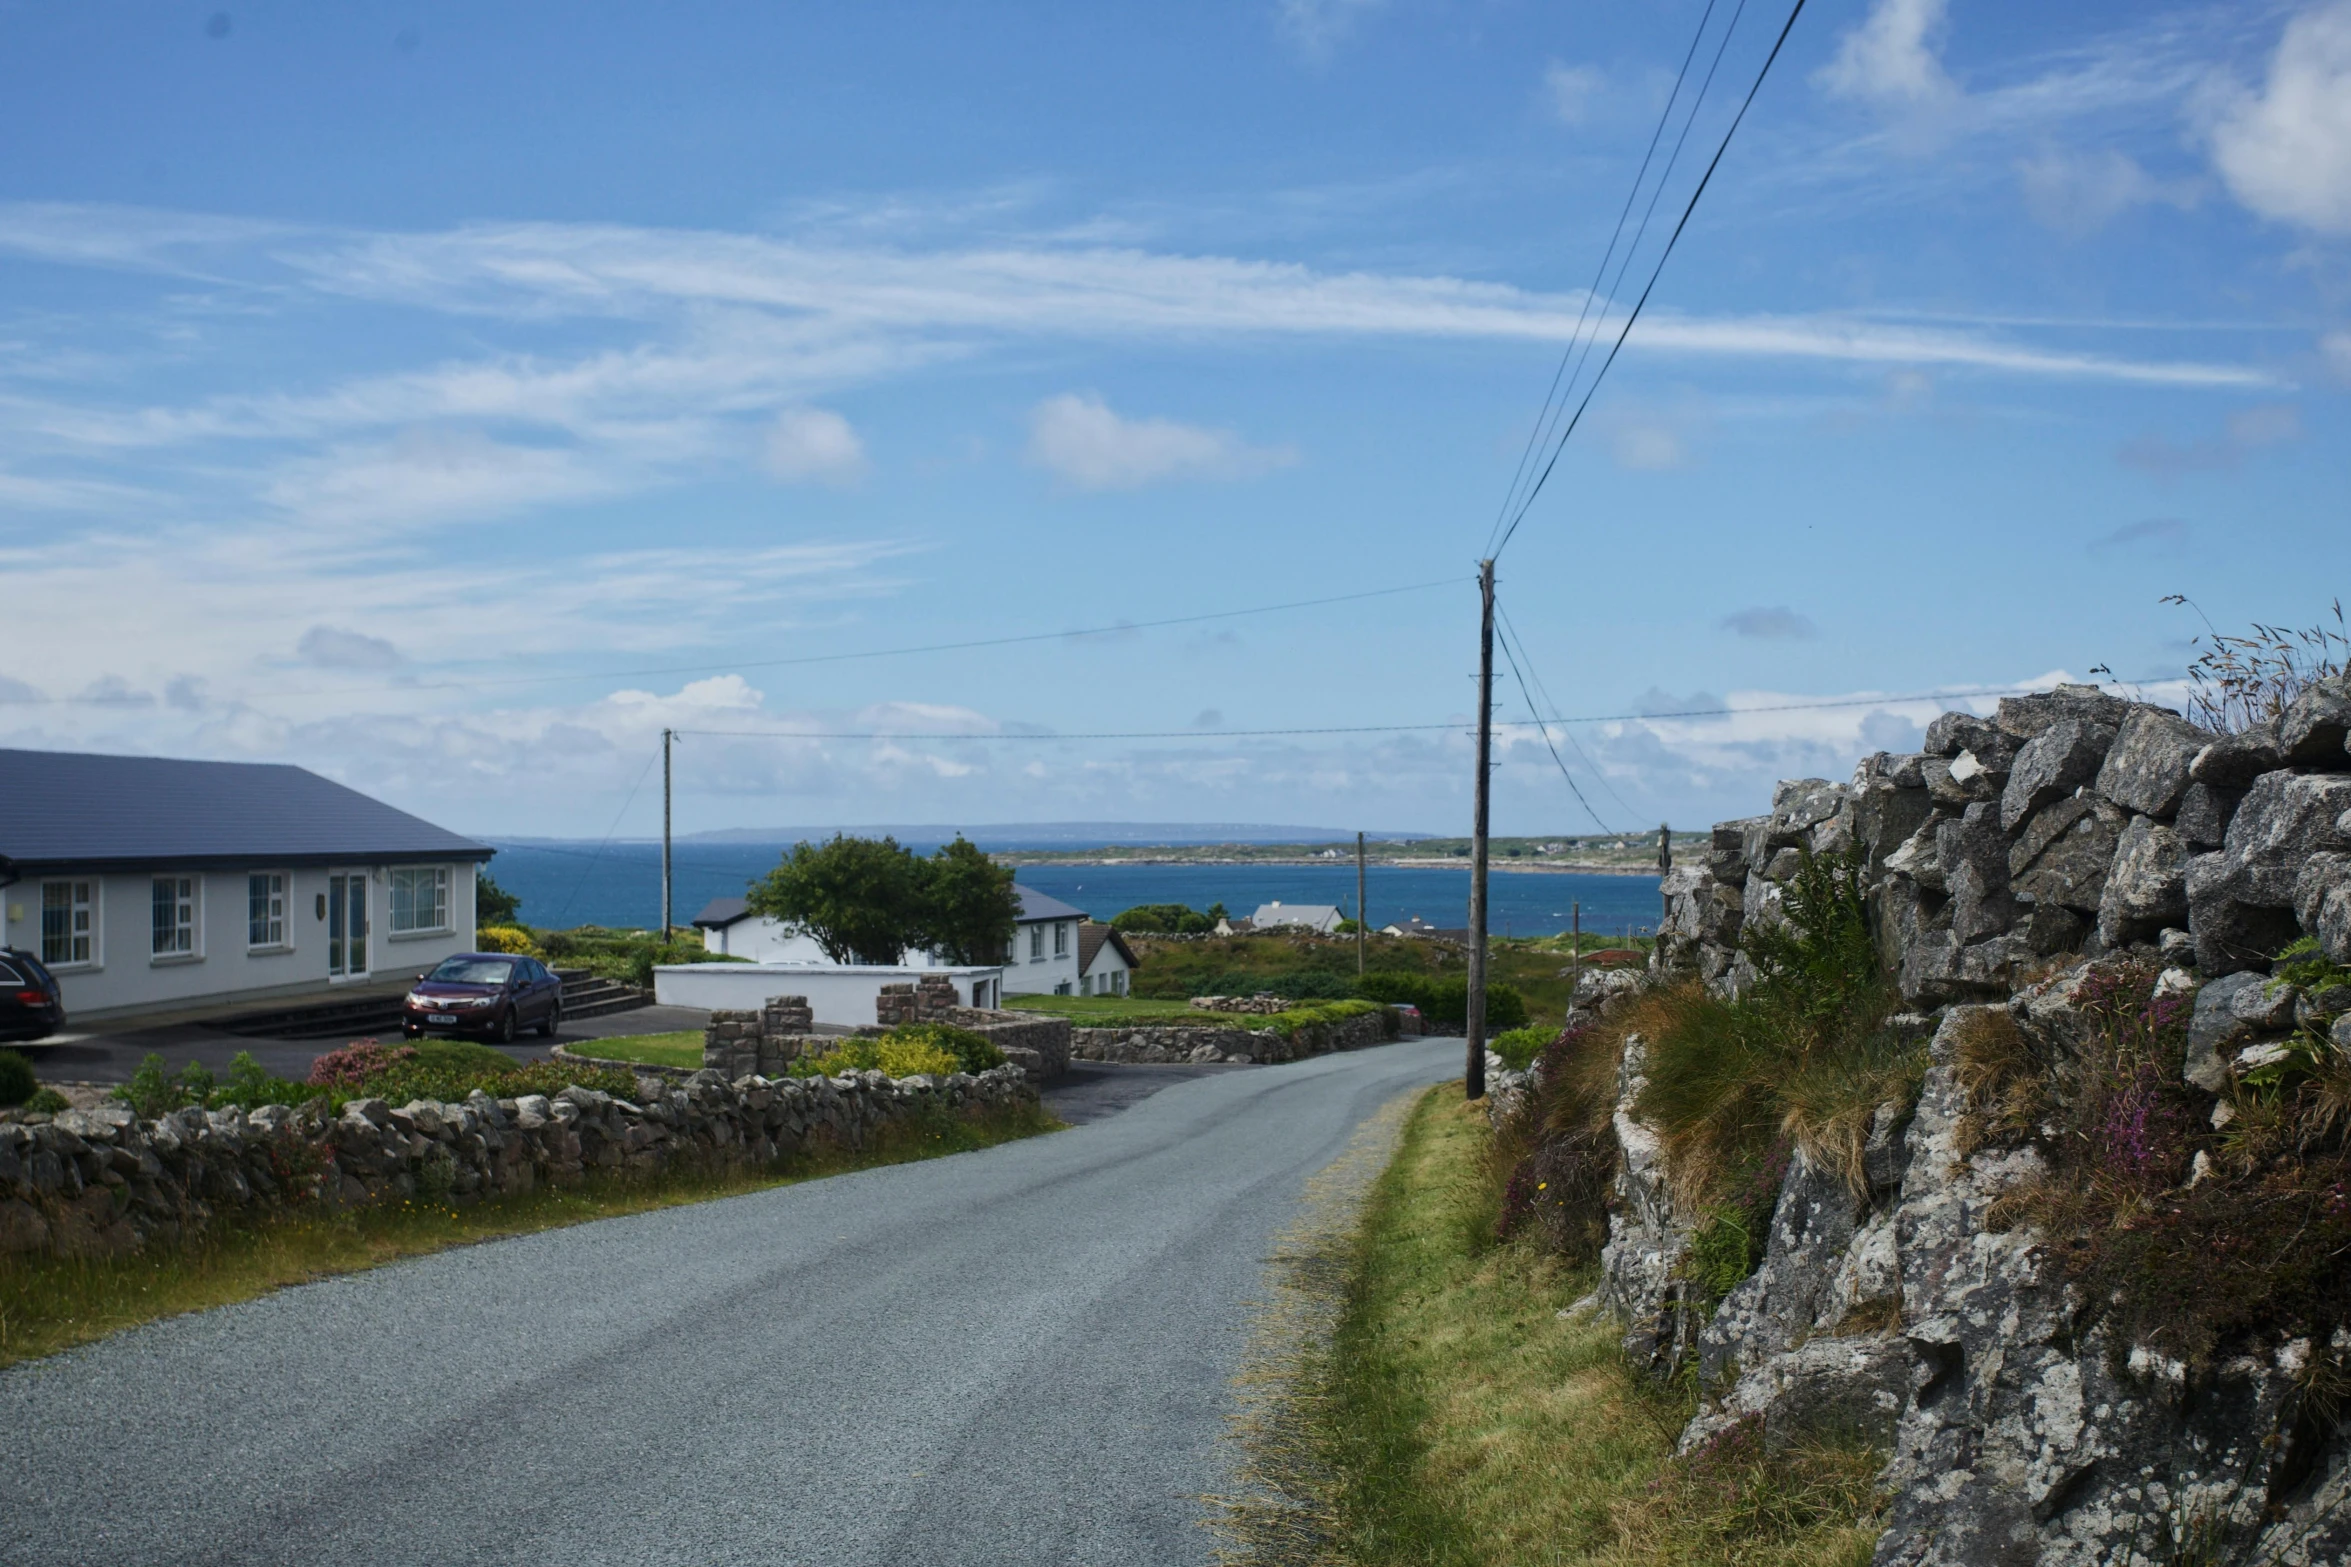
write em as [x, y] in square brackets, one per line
[680, 1047]
[1455, 1416]
[49, 1304]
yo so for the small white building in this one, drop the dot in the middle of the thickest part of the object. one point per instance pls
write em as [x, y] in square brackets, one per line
[149, 884]
[1105, 961]
[1043, 960]
[1322, 918]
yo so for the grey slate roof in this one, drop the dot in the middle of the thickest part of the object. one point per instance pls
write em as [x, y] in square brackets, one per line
[73, 808]
[1035, 905]
[722, 911]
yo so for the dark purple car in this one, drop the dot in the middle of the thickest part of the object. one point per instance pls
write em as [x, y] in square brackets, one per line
[493, 994]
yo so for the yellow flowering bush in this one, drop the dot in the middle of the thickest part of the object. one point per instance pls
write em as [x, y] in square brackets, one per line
[893, 1056]
[505, 938]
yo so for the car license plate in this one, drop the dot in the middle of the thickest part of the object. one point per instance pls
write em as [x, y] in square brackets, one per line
[440, 1017]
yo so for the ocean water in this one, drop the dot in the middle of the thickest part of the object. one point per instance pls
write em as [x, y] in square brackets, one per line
[620, 884]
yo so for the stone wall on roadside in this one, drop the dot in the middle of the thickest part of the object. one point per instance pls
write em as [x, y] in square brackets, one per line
[1163, 1042]
[103, 1182]
[767, 1042]
[2003, 861]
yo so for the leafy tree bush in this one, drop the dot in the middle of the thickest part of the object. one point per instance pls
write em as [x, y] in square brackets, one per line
[1163, 919]
[973, 1052]
[867, 900]
[46, 1101]
[1518, 1047]
[1444, 998]
[17, 1083]
[893, 1054]
[493, 904]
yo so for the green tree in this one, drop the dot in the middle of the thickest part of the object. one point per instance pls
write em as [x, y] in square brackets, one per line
[968, 905]
[1174, 919]
[493, 904]
[863, 899]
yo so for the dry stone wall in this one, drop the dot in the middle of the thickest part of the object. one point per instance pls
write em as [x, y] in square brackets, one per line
[1206, 1043]
[101, 1182]
[767, 1042]
[2003, 860]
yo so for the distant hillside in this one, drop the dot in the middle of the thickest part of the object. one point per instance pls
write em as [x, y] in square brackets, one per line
[1010, 836]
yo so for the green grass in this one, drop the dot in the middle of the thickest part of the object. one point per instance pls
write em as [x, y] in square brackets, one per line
[52, 1303]
[1174, 971]
[1456, 1419]
[1088, 1011]
[679, 1047]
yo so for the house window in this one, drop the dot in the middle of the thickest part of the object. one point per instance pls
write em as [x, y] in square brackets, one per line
[1061, 938]
[67, 929]
[1061, 989]
[420, 898]
[265, 909]
[175, 917]
[1036, 943]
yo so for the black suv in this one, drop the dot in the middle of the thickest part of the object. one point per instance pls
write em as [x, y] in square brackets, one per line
[31, 1005]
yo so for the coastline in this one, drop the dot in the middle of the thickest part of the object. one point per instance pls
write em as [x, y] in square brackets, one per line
[1497, 867]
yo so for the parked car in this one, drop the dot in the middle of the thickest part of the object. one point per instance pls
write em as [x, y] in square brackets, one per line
[31, 1005]
[493, 994]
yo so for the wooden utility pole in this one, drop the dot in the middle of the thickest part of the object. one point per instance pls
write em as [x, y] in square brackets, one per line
[1576, 965]
[666, 736]
[1362, 915]
[1473, 1081]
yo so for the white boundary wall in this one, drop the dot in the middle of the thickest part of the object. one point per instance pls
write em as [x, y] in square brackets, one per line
[842, 994]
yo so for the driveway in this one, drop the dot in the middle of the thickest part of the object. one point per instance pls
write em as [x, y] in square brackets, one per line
[100, 1055]
[1015, 1356]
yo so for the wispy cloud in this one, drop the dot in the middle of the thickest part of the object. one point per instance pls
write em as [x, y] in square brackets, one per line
[1777, 623]
[1078, 438]
[2244, 432]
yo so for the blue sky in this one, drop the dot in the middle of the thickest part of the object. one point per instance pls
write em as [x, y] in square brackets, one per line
[391, 388]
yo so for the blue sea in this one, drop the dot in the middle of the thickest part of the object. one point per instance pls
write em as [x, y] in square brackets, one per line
[565, 883]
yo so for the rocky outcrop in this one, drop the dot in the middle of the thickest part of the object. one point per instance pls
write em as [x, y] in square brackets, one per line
[2002, 862]
[99, 1182]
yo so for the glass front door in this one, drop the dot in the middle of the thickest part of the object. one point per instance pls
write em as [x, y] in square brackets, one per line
[347, 923]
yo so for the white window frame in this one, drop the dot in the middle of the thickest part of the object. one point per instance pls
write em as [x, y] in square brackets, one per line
[1061, 938]
[442, 884]
[1036, 943]
[185, 943]
[276, 921]
[81, 921]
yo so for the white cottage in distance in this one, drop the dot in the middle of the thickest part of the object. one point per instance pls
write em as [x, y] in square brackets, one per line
[147, 883]
[1045, 959]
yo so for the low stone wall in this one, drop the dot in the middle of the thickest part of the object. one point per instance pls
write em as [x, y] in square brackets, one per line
[1263, 1006]
[1038, 1042]
[102, 1182]
[767, 1042]
[1170, 1042]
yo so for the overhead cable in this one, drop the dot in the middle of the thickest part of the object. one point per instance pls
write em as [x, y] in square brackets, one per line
[1640, 304]
[1573, 787]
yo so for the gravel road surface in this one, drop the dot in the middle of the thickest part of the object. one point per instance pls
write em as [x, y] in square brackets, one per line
[1015, 1356]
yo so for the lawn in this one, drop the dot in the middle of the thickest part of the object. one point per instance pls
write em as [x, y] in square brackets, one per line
[1458, 1416]
[679, 1047]
[1095, 1011]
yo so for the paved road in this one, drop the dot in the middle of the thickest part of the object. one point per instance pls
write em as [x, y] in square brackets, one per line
[1017, 1356]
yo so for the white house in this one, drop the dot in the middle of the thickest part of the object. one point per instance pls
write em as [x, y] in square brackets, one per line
[148, 883]
[1319, 917]
[1043, 960]
[1104, 961]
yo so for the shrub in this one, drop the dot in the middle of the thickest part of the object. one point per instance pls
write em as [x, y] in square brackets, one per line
[892, 1054]
[1163, 919]
[17, 1083]
[505, 938]
[1444, 998]
[973, 1052]
[1518, 1047]
[348, 1067]
[45, 1101]
[1561, 1150]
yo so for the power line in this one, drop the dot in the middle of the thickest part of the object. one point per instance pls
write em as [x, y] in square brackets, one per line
[1655, 272]
[589, 868]
[1573, 787]
[1525, 662]
[1537, 437]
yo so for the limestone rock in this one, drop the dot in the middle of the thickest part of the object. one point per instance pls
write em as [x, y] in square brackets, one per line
[2053, 764]
[2241, 900]
[1953, 733]
[2205, 811]
[2215, 1032]
[1726, 855]
[1799, 804]
[2147, 769]
[2234, 761]
[2064, 853]
[1974, 856]
[1917, 859]
[2024, 717]
[2314, 726]
[2147, 888]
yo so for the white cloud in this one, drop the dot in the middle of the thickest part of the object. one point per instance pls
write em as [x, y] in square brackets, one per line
[1777, 623]
[814, 443]
[1080, 439]
[1890, 59]
[1647, 448]
[1317, 25]
[2335, 349]
[424, 477]
[331, 647]
[1572, 90]
[2078, 193]
[2285, 150]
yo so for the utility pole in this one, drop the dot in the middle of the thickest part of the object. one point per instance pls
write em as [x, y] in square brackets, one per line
[1576, 966]
[1473, 1083]
[666, 736]
[1362, 915]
